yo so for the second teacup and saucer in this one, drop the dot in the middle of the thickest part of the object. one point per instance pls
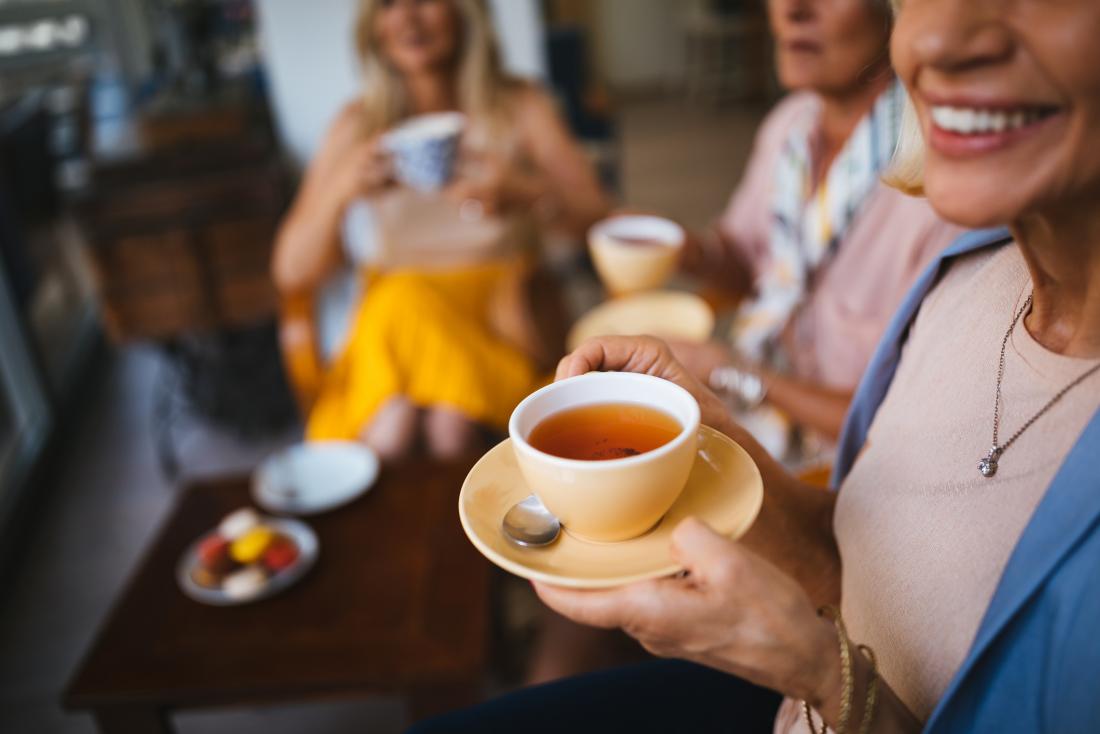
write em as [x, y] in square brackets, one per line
[635, 255]
[618, 513]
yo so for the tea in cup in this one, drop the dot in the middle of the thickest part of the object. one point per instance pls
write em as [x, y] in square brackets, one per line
[635, 252]
[607, 452]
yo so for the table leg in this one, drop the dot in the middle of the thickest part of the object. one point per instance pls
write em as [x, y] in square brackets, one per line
[164, 416]
[132, 720]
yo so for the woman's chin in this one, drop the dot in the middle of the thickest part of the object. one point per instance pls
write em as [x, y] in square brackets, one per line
[417, 62]
[973, 206]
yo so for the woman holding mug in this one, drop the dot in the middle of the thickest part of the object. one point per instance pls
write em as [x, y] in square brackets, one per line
[436, 347]
[963, 543]
[818, 247]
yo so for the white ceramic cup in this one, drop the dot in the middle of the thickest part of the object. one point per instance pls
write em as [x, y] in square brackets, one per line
[629, 267]
[424, 149]
[616, 499]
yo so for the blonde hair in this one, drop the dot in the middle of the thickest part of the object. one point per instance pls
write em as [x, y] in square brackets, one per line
[906, 171]
[483, 87]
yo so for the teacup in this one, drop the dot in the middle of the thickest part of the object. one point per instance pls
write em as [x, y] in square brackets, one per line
[615, 499]
[424, 149]
[635, 252]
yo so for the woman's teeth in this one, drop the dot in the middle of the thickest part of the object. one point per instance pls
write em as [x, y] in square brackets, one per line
[969, 121]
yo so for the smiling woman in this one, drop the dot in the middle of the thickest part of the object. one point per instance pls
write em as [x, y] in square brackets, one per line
[458, 168]
[968, 597]
[1010, 116]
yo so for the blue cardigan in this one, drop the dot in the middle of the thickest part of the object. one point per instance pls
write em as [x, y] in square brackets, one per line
[1034, 665]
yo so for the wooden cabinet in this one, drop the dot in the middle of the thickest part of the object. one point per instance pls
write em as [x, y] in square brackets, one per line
[182, 241]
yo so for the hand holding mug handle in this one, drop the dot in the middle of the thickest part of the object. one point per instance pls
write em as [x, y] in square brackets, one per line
[376, 166]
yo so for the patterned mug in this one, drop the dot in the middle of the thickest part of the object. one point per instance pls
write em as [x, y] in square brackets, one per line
[424, 149]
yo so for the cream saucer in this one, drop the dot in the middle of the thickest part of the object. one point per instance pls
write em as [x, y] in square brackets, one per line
[724, 490]
[673, 314]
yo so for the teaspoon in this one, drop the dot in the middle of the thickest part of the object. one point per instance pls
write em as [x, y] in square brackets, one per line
[529, 524]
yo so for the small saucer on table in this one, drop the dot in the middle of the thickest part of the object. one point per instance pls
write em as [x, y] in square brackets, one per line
[314, 477]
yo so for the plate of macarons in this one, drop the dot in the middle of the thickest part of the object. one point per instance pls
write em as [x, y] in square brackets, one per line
[246, 558]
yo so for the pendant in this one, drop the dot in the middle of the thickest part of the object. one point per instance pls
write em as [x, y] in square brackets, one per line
[988, 465]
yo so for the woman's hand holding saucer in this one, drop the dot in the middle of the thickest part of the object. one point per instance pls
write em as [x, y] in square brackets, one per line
[733, 611]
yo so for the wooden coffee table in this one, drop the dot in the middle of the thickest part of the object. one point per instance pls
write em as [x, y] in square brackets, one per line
[397, 603]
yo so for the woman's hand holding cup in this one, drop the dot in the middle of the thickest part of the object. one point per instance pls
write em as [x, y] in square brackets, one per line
[733, 609]
[364, 169]
[480, 187]
[647, 355]
[701, 358]
[486, 185]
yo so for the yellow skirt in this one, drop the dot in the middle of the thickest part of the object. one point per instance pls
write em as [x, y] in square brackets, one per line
[425, 336]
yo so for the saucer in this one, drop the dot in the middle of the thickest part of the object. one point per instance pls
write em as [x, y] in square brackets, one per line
[724, 490]
[675, 314]
[310, 478]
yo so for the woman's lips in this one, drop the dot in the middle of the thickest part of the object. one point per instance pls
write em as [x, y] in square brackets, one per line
[416, 40]
[804, 47]
[963, 131]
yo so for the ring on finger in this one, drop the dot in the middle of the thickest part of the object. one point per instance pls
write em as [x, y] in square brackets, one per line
[471, 210]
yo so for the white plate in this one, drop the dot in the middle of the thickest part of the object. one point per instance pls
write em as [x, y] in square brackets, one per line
[316, 477]
[671, 314]
[308, 550]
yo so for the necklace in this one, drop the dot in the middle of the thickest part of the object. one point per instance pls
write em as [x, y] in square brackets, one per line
[988, 465]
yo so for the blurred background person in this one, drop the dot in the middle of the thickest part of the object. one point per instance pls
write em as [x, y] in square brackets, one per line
[821, 251]
[440, 344]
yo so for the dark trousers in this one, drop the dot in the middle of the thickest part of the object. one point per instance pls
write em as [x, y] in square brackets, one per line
[657, 696]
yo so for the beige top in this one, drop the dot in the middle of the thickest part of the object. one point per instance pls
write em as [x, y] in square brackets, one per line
[923, 537]
[427, 230]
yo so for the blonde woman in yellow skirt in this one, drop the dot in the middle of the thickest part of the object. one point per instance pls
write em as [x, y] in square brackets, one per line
[427, 358]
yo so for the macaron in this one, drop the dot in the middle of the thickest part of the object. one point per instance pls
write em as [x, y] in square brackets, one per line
[249, 547]
[214, 554]
[237, 523]
[281, 554]
[205, 578]
[245, 583]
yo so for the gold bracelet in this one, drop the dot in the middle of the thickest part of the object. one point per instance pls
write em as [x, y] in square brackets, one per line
[845, 675]
[847, 681]
[872, 690]
[810, 720]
